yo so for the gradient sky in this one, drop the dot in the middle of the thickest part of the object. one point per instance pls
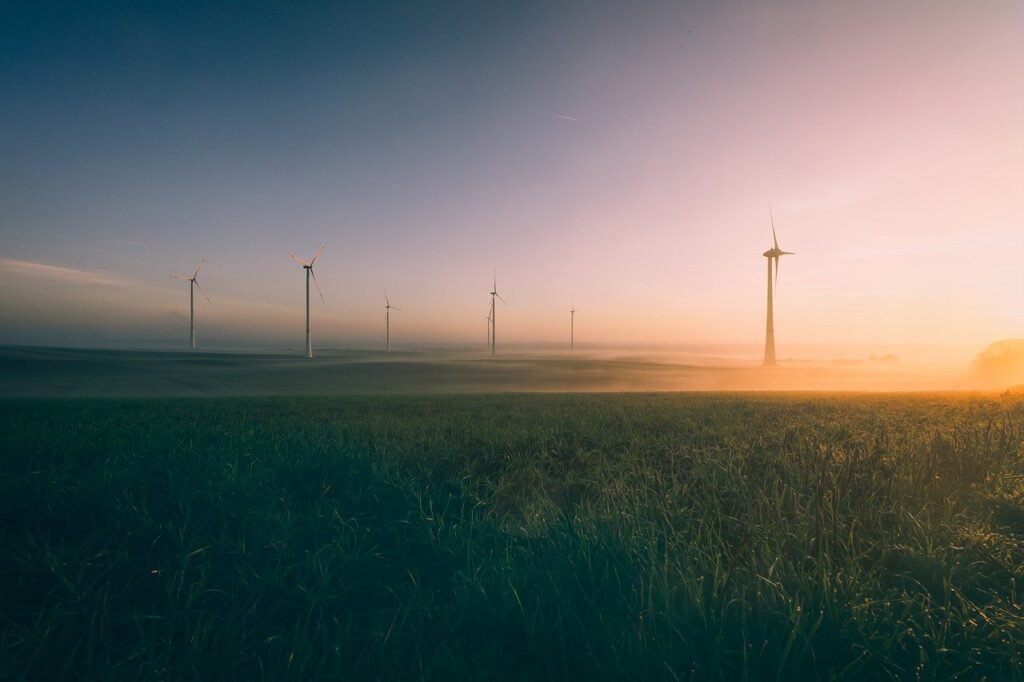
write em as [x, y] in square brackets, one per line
[619, 156]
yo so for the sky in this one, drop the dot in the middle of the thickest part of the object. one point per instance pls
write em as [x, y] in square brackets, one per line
[619, 157]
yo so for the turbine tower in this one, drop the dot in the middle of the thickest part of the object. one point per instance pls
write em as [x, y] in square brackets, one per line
[387, 320]
[494, 329]
[572, 327]
[773, 253]
[309, 273]
[193, 284]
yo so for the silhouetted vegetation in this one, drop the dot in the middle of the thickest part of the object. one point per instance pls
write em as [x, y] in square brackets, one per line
[513, 536]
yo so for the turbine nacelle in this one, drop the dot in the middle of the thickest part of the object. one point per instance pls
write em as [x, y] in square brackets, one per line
[308, 267]
[194, 279]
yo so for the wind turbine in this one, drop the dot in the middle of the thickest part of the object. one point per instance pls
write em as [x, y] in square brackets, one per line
[387, 319]
[773, 253]
[572, 327]
[488, 318]
[494, 329]
[193, 284]
[309, 273]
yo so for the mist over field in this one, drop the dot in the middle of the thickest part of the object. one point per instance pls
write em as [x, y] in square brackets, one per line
[43, 372]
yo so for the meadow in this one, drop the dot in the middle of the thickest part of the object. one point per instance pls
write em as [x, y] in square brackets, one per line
[513, 536]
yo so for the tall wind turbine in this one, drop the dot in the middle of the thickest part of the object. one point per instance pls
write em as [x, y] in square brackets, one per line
[773, 253]
[494, 329]
[387, 320]
[572, 327]
[193, 284]
[309, 273]
[488, 318]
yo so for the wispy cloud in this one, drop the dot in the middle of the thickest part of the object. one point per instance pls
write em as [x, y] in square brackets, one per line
[62, 274]
[568, 118]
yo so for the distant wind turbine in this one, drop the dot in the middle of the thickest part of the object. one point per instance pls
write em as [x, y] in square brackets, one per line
[309, 273]
[773, 253]
[387, 320]
[494, 329]
[572, 327]
[488, 318]
[193, 284]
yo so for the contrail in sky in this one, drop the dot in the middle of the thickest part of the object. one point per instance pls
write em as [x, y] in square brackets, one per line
[568, 118]
[71, 275]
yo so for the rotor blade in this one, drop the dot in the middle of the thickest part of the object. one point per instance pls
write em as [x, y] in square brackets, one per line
[787, 253]
[499, 297]
[199, 267]
[776, 272]
[395, 307]
[202, 292]
[183, 278]
[774, 239]
[317, 254]
[298, 260]
[317, 286]
[387, 303]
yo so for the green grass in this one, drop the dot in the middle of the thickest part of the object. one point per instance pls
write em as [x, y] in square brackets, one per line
[513, 536]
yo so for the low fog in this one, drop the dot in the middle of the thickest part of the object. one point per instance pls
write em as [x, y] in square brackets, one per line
[53, 372]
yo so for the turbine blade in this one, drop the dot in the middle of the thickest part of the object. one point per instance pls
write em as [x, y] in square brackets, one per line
[317, 254]
[387, 303]
[200, 267]
[774, 239]
[298, 260]
[317, 284]
[776, 272]
[202, 292]
[499, 297]
[395, 308]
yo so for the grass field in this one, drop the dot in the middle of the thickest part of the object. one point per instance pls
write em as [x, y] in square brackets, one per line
[529, 536]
